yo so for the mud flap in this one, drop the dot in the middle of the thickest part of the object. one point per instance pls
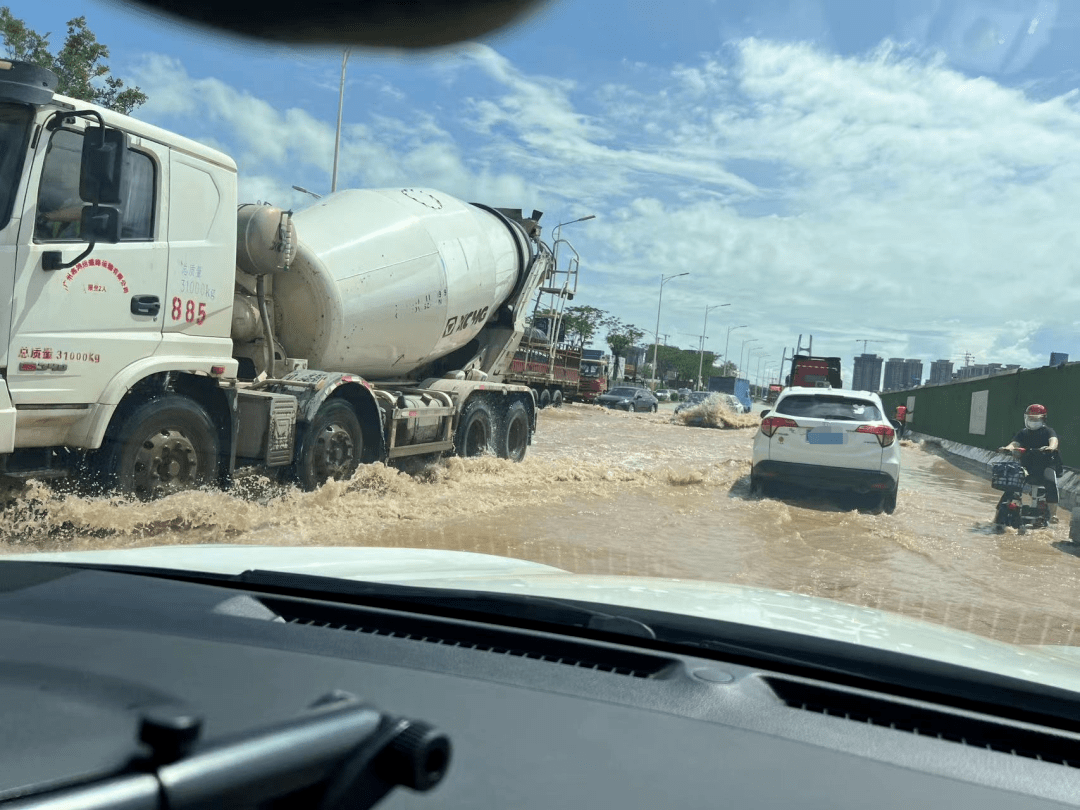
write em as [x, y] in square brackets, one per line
[7, 420]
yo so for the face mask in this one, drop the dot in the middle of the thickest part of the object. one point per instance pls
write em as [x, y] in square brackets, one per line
[1032, 423]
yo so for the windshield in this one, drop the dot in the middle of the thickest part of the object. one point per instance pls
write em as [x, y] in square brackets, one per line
[14, 135]
[825, 407]
[882, 189]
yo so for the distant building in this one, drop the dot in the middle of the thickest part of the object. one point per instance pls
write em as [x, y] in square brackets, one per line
[901, 374]
[983, 370]
[972, 371]
[941, 371]
[867, 374]
[635, 356]
[894, 368]
[1058, 358]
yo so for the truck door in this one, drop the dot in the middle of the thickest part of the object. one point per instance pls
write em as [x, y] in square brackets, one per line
[74, 329]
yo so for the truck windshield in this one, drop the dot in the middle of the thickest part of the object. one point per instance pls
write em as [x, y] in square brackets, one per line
[14, 134]
[590, 369]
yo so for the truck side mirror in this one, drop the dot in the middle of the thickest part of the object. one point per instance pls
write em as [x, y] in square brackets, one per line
[104, 152]
[100, 223]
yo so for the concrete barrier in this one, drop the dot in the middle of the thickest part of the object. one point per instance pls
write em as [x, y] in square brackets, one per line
[1068, 484]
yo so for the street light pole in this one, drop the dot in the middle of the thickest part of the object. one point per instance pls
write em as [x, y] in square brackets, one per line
[555, 233]
[656, 344]
[704, 329]
[738, 368]
[760, 357]
[340, 106]
[757, 373]
[727, 340]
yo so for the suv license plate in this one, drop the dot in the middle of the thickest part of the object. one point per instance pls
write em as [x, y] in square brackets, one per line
[824, 437]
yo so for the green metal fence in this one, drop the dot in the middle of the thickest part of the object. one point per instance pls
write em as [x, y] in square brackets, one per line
[988, 411]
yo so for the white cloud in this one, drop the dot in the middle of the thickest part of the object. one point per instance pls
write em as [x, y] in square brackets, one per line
[884, 195]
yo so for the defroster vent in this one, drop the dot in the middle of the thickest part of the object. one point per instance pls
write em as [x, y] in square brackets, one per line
[994, 735]
[471, 636]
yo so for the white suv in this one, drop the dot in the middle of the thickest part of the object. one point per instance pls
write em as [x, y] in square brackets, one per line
[828, 438]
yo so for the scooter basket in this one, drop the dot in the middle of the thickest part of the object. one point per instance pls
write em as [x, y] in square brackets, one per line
[1006, 475]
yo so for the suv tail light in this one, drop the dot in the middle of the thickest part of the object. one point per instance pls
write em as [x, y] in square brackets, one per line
[885, 435]
[770, 423]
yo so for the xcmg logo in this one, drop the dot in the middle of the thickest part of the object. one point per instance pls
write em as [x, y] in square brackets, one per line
[459, 322]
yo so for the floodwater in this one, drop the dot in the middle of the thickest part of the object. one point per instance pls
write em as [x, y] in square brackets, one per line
[607, 492]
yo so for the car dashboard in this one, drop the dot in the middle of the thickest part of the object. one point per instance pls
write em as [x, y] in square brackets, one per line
[534, 719]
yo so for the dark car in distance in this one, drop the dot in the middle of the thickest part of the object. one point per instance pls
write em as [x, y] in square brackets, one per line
[630, 399]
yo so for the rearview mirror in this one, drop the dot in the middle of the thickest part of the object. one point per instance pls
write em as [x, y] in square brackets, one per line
[104, 152]
[764, 412]
[100, 223]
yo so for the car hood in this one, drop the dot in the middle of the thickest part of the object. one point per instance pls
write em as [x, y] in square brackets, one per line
[758, 607]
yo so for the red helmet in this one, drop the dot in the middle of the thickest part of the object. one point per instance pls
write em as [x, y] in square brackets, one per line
[1035, 410]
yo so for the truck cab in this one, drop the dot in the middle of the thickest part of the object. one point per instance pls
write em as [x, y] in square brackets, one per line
[116, 248]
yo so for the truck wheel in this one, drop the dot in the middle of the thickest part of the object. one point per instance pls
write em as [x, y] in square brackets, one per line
[331, 446]
[166, 445]
[556, 398]
[512, 439]
[544, 399]
[473, 437]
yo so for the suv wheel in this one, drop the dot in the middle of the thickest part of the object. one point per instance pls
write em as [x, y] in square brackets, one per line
[886, 502]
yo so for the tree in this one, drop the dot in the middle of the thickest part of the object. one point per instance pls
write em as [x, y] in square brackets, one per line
[684, 362]
[621, 337]
[79, 65]
[581, 324]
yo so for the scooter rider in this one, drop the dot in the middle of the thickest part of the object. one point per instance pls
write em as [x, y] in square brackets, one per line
[1040, 444]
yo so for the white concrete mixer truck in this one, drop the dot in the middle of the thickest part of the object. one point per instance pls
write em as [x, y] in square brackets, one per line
[160, 337]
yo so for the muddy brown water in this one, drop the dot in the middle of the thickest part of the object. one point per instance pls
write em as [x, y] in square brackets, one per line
[607, 492]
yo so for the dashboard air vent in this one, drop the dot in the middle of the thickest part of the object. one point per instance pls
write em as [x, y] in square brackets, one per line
[469, 636]
[993, 735]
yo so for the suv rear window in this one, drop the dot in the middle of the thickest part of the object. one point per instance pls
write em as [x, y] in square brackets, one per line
[818, 406]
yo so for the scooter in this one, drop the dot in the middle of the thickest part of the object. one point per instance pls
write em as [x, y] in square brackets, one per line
[1023, 499]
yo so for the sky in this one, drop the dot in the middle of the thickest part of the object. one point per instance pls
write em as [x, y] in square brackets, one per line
[905, 173]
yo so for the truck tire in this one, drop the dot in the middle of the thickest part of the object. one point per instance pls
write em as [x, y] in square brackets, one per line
[512, 438]
[331, 445]
[167, 444]
[556, 398]
[544, 399]
[474, 433]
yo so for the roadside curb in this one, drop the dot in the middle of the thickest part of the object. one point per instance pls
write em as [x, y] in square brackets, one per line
[1068, 484]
